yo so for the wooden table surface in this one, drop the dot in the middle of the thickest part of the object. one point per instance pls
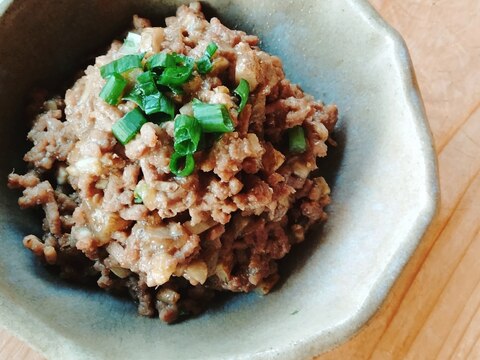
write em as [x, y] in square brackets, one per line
[433, 310]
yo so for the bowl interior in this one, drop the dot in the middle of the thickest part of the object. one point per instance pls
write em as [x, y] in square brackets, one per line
[381, 174]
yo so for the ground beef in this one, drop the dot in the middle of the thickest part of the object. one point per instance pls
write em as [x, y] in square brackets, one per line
[224, 227]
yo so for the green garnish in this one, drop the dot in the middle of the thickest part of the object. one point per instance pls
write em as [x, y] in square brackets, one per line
[187, 134]
[128, 126]
[214, 118]
[159, 103]
[131, 44]
[121, 65]
[179, 73]
[176, 90]
[211, 49]
[135, 96]
[146, 95]
[164, 74]
[204, 64]
[161, 60]
[176, 163]
[139, 192]
[137, 199]
[146, 83]
[156, 103]
[296, 140]
[175, 75]
[242, 91]
[113, 89]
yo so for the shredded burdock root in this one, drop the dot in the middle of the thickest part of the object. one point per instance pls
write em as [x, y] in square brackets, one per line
[179, 165]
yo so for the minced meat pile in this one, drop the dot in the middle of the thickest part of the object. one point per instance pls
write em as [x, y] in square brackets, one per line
[116, 211]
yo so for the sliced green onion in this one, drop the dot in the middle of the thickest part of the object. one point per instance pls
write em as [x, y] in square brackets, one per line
[145, 77]
[166, 106]
[204, 64]
[180, 73]
[176, 90]
[242, 91]
[139, 192]
[187, 134]
[181, 59]
[137, 199]
[113, 89]
[151, 103]
[131, 44]
[296, 140]
[176, 163]
[161, 60]
[146, 83]
[213, 117]
[175, 76]
[121, 65]
[135, 96]
[128, 126]
[158, 102]
[146, 95]
[211, 49]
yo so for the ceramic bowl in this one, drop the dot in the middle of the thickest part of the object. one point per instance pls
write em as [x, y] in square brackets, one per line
[383, 177]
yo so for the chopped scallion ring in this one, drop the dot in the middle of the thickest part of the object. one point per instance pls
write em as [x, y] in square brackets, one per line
[137, 199]
[204, 64]
[187, 134]
[213, 117]
[161, 60]
[135, 96]
[151, 103]
[296, 140]
[175, 76]
[242, 91]
[158, 103]
[146, 95]
[176, 90]
[179, 74]
[128, 126]
[131, 44]
[139, 192]
[166, 106]
[121, 65]
[176, 164]
[211, 49]
[146, 83]
[181, 59]
[113, 89]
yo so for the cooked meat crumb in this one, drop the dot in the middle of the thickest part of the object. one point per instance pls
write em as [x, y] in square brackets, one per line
[224, 227]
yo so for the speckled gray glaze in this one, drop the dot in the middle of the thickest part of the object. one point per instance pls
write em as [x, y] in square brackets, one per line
[384, 180]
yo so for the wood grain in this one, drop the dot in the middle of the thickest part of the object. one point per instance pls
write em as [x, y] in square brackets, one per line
[433, 310]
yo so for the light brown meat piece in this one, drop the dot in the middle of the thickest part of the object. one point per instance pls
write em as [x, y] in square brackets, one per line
[117, 212]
